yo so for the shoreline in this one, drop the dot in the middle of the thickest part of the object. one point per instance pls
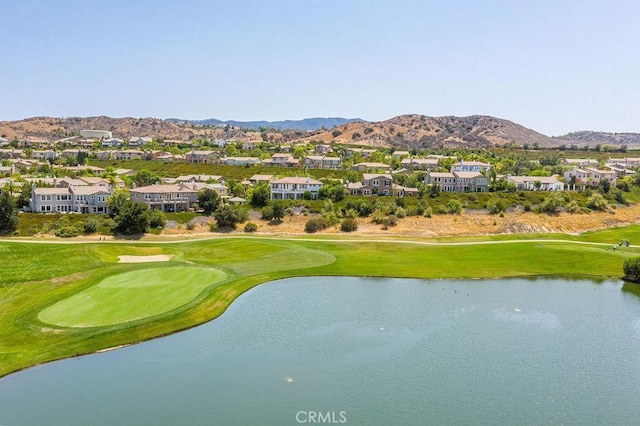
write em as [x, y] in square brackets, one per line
[353, 258]
[124, 345]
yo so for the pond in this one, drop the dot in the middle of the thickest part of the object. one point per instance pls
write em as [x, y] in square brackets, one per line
[364, 351]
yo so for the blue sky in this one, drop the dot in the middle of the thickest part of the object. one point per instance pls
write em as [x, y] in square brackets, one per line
[554, 66]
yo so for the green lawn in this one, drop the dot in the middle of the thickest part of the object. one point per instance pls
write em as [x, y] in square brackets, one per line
[131, 296]
[46, 314]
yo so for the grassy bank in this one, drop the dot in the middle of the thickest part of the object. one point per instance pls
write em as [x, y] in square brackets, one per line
[39, 282]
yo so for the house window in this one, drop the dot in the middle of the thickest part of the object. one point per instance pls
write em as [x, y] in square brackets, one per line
[375, 183]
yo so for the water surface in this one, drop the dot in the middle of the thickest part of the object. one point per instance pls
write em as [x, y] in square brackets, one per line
[383, 351]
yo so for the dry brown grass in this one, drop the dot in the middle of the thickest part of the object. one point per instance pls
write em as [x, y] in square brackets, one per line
[466, 224]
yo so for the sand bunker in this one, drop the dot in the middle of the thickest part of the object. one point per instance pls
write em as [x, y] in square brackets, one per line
[142, 259]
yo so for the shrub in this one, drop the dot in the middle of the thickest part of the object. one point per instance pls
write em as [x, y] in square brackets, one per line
[495, 206]
[267, 213]
[573, 207]
[378, 217]
[527, 206]
[315, 225]
[631, 269]
[597, 202]
[68, 231]
[349, 225]
[401, 213]
[454, 207]
[428, 212]
[623, 185]
[412, 211]
[331, 218]
[391, 220]
[228, 216]
[157, 219]
[191, 226]
[250, 227]
[90, 226]
[552, 203]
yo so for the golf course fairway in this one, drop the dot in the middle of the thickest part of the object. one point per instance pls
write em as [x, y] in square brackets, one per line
[131, 296]
[61, 299]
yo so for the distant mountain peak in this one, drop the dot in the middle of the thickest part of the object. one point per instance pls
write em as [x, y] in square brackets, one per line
[315, 123]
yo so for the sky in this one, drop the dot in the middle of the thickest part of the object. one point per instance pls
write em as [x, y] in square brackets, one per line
[551, 65]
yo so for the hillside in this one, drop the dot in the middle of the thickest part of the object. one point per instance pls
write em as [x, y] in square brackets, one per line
[405, 131]
[50, 128]
[419, 131]
[603, 138]
[316, 123]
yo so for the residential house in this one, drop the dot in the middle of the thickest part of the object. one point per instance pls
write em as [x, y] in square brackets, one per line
[128, 154]
[629, 163]
[446, 181]
[175, 142]
[458, 181]
[589, 176]
[282, 160]
[84, 168]
[124, 172]
[103, 155]
[294, 188]
[167, 198]
[471, 182]
[580, 162]
[77, 199]
[201, 157]
[323, 149]
[256, 179]
[220, 188]
[249, 145]
[620, 170]
[400, 154]
[241, 161]
[322, 162]
[420, 163]
[536, 183]
[43, 155]
[11, 153]
[8, 170]
[112, 142]
[350, 152]
[380, 184]
[363, 167]
[470, 166]
[138, 141]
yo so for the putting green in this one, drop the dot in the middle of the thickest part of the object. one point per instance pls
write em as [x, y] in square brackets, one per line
[131, 296]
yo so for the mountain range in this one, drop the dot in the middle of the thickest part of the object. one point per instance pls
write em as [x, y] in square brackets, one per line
[304, 124]
[404, 131]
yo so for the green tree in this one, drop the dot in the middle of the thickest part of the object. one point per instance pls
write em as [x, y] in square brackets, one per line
[132, 218]
[8, 212]
[260, 195]
[552, 203]
[116, 201]
[145, 178]
[228, 217]
[90, 226]
[157, 219]
[278, 210]
[208, 200]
